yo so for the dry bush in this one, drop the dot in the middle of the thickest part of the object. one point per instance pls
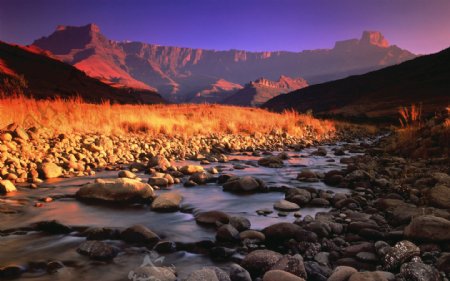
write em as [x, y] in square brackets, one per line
[68, 116]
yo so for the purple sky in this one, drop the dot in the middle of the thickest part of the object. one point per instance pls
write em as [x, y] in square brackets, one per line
[421, 26]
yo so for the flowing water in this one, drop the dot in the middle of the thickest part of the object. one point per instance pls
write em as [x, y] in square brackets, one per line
[23, 248]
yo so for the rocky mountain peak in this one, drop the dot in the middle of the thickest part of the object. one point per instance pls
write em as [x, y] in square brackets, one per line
[374, 38]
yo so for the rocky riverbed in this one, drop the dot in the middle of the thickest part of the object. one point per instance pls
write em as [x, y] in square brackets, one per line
[220, 208]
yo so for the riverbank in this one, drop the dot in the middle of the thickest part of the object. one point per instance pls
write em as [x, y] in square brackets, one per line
[273, 207]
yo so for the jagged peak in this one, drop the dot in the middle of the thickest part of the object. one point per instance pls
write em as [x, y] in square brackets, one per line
[374, 38]
[90, 27]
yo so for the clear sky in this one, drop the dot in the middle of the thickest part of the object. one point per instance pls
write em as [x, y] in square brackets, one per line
[421, 26]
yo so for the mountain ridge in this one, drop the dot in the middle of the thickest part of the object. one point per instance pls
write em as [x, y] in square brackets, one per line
[178, 73]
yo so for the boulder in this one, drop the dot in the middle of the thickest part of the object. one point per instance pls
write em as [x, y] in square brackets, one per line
[246, 184]
[127, 174]
[191, 169]
[159, 161]
[439, 196]
[97, 250]
[49, 170]
[212, 218]
[210, 273]
[158, 181]
[286, 206]
[116, 190]
[292, 264]
[139, 234]
[428, 228]
[298, 196]
[167, 202]
[238, 273]
[402, 252]
[280, 232]
[342, 273]
[152, 272]
[260, 261]
[240, 223]
[417, 271]
[227, 233]
[368, 276]
[271, 162]
[6, 186]
[278, 275]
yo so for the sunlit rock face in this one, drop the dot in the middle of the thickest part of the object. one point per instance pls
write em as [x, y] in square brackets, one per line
[180, 74]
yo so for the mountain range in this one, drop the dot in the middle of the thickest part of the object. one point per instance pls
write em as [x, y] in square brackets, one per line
[261, 90]
[186, 74]
[33, 72]
[379, 94]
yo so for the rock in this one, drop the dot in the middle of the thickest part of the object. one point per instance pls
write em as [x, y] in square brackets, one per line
[292, 264]
[139, 234]
[271, 162]
[210, 273]
[284, 205]
[97, 250]
[167, 202]
[191, 169]
[316, 271]
[402, 252]
[280, 232]
[165, 247]
[252, 234]
[159, 161]
[152, 272]
[6, 186]
[367, 276]
[298, 196]
[5, 137]
[278, 275]
[240, 223]
[127, 174]
[417, 271]
[321, 151]
[11, 272]
[101, 233]
[244, 184]
[319, 202]
[238, 273]
[53, 227]
[367, 257]
[260, 261]
[428, 228]
[157, 181]
[54, 266]
[116, 190]
[227, 233]
[439, 196]
[200, 178]
[50, 170]
[341, 273]
[212, 218]
[443, 263]
[333, 178]
[307, 175]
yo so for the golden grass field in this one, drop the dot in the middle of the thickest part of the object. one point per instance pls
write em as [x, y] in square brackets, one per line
[76, 116]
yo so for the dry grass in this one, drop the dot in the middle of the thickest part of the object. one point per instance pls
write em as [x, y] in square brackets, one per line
[71, 116]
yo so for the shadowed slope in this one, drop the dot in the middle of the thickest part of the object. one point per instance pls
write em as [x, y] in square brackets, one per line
[377, 94]
[48, 78]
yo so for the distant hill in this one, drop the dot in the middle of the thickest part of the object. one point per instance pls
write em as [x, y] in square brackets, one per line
[261, 90]
[179, 74]
[34, 72]
[377, 94]
[216, 93]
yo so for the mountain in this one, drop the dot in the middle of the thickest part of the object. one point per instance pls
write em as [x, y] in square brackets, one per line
[180, 73]
[261, 90]
[424, 80]
[31, 71]
[217, 92]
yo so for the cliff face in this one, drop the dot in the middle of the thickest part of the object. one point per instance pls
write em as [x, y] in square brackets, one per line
[179, 73]
[261, 90]
[31, 71]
